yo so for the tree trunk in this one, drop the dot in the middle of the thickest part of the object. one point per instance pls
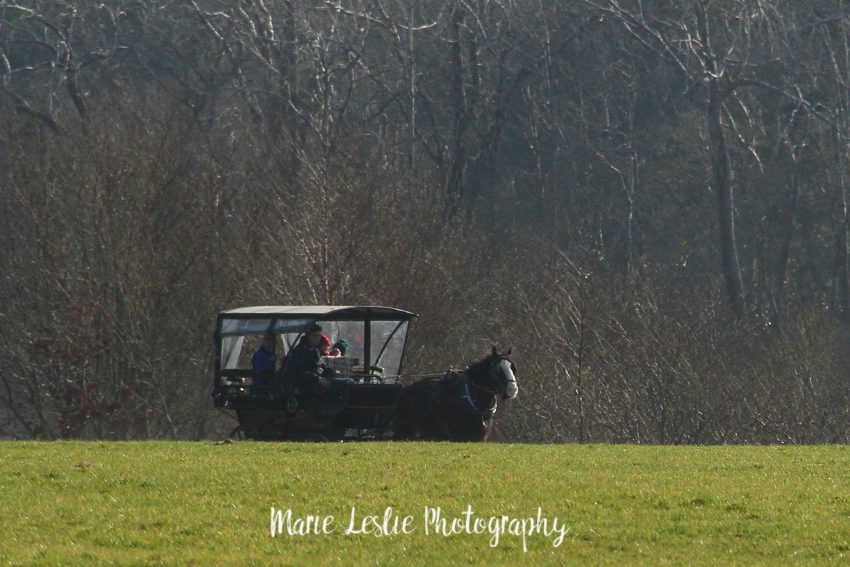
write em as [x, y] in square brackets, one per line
[457, 167]
[721, 172]
[841, 297]
[785, 239]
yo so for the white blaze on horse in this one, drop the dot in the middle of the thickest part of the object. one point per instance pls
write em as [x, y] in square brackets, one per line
[457, 406]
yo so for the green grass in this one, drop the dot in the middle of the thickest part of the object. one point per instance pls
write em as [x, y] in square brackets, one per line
[202, 503]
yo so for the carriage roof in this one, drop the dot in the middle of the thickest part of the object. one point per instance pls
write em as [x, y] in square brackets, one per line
[339, 312]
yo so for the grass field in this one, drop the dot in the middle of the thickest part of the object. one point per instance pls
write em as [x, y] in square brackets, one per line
[205, 503]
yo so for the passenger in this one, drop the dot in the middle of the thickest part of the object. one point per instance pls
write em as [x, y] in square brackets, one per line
[325, 346]
[263, 363]
[339, 348]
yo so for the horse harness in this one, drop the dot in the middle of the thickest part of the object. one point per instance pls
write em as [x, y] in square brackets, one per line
[449, 395]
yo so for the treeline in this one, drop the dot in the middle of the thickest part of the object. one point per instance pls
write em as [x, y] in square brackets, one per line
[647, 199]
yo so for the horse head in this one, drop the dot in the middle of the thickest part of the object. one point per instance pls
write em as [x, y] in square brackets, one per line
[503, 371]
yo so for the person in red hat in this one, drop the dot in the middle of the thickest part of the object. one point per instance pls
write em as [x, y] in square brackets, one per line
[325, 345]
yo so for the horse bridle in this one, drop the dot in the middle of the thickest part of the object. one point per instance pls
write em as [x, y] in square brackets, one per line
[491, 411]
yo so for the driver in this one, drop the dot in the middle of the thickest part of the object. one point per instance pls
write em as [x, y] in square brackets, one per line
[305, 364]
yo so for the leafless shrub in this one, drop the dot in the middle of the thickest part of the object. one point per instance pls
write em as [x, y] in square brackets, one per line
[797, 385]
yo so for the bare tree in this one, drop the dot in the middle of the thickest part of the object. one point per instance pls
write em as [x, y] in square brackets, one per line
[716, 48]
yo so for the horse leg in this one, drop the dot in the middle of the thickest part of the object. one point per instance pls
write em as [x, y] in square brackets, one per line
[488, 429]
[471, 431]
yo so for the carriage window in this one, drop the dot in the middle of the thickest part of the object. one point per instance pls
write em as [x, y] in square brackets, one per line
[237, 352]
[352, 331]
[388, 344]
[249, 346]
[230, 349]
[231, 327]
[241, 338]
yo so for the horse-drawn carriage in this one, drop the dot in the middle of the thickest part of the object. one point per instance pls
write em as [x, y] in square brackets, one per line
[358, 394]
[362, 390]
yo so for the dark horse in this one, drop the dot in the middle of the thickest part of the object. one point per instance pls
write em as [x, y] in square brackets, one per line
[458, 406]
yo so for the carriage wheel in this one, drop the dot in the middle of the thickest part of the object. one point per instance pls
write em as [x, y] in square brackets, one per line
[290, 405]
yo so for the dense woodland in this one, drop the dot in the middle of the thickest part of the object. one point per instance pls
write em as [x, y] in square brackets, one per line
[647, 199]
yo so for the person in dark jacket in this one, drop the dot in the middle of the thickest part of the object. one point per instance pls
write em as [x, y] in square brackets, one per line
[263, 363]
[304, 365]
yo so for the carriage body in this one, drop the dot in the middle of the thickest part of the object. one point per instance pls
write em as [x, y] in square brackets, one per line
[365, 387]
